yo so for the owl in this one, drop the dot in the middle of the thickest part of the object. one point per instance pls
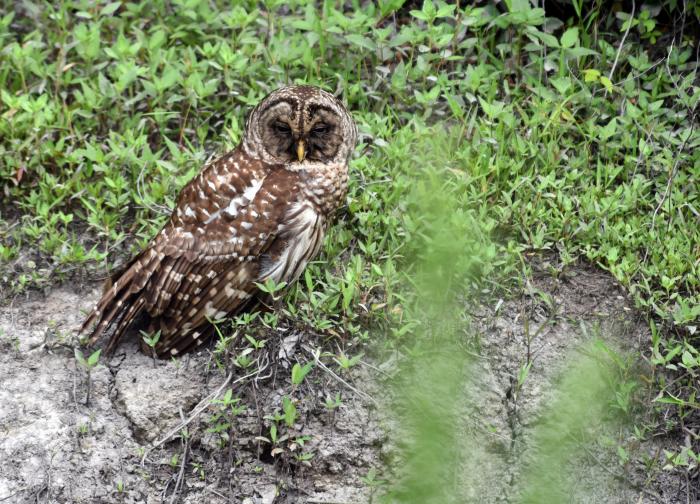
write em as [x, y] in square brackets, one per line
[259, 212]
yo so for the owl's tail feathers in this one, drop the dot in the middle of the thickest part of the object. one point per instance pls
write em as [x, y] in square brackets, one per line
[121, 301]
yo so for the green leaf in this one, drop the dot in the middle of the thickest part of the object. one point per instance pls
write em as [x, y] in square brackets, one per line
[398, 78]
[569, 38]
[94, 358]
[445, 10]
[361, 41]
[80, 358]
[110, 8]
[688, 360]
[170, 76]
[156, 40]
[608, 130]
[591, 75]
[606, 83]
[549, 40]
[578, 52]
[419, 15]
[562, 84]
[299, 372]
[290, 411]
[429, 9]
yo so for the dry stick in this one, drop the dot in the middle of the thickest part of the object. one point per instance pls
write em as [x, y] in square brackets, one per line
[203, 404]
[181, 474]
[7, 497]
[622, 44]
[320, 364]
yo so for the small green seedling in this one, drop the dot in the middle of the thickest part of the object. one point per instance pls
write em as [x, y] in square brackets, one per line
[300, 372]
[304, 457]
[370, 479]
[272, 288]
[346, 362]
[290, 411]
[257, 344]
[522, 374]
[222, 421]
[335, 403]
[332, 405]
[88, 364]
[151, 341]
[198, 469]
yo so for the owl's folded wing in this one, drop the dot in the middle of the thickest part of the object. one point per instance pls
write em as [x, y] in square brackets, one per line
[204, 263]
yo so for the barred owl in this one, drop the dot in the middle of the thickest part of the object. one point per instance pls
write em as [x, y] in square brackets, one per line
[257, 213]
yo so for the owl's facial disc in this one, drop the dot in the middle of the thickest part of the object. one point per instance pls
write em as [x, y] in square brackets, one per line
[301, 123]
[301, 131]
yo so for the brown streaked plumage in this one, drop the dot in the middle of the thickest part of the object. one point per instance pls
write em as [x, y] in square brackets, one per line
[258, 212]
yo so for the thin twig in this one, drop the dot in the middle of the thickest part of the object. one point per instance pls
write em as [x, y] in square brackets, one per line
[181, 474]
[203, 404]
[622, 43]
[320, 364]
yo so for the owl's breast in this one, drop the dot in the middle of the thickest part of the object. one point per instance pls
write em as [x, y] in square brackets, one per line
[325, 188]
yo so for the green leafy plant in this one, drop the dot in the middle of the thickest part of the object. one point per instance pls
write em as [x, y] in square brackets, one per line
[299, 372]
[88, 365]
[151, 340]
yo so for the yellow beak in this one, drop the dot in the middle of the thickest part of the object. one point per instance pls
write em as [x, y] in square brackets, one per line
[300, 150]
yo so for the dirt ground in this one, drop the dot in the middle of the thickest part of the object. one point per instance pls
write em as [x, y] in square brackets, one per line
[57, 449]
[563, 318]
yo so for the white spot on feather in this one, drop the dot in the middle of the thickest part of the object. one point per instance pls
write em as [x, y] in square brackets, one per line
[232, 292]
[234, 205]
[251, 191]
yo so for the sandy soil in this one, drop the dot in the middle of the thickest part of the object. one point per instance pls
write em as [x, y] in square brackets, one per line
[57, 449]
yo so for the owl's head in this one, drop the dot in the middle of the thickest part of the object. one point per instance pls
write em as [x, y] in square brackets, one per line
[300, 123]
